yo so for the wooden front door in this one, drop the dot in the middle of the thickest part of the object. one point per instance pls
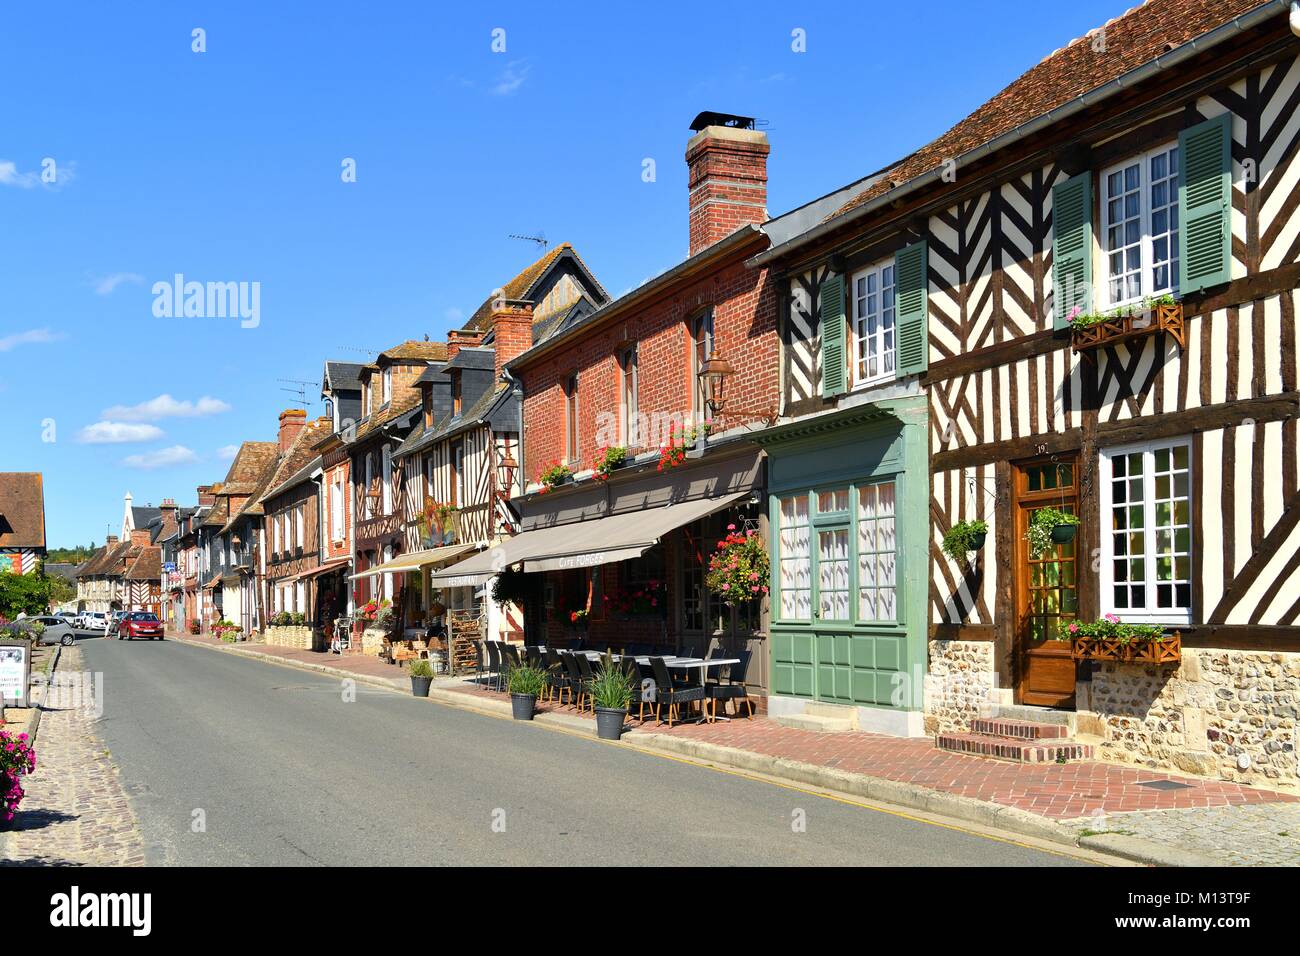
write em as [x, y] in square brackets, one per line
[1047, 594]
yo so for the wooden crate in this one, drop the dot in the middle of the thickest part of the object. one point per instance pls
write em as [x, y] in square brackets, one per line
[1122, 328]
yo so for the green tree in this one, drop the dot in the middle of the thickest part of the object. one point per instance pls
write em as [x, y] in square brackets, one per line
[21, 593]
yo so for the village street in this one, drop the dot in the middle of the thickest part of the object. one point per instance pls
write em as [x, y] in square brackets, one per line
[228, 761]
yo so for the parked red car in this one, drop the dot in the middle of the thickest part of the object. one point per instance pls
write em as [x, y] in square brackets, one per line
[140, 624]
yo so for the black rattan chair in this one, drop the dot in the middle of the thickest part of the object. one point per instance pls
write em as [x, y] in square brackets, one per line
[494, 664]
[666, 693]
[735, 690]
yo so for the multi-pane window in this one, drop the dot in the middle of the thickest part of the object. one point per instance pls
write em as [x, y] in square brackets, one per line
[458, 474]
[877, 553]
[630, 400]
[388, 385]
[571, 418]
[299, 534]
[387, 478]
[848, 546]
[1140, 226]
[1147, 553]
[701, 349]
[795, 572]
[873, 324]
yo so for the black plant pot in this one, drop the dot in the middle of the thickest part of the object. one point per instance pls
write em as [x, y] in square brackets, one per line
[1062, 533]
[609, 722]
[420, 686]
[523, 706]
[977, 540]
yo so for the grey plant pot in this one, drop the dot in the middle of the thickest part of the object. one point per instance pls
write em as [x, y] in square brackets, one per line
[420, 686]
[523, 706]
[1062, 533]
[609, 722]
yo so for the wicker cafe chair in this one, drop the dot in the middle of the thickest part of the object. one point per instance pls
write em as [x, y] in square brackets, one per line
[732, 691]
[633, 671]
[588, 675]
[494, 664]
[509, 657]
[557, 680]
[667, 693]
[577, 686]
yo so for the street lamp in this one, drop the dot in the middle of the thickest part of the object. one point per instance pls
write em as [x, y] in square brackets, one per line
[713, 377]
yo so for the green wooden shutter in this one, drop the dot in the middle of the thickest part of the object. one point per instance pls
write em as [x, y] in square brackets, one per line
[912, 308]
[1071, 247]
[1205, 205]
[832, 315]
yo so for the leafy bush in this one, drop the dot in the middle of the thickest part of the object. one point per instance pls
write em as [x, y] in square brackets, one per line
[959, 540]
[526, 679]
[606, 461]
[421, 668]
[23, 594]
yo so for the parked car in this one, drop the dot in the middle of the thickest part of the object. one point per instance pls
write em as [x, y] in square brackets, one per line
[94, 620]
[114, 623]
[56, 629]
[140, 624]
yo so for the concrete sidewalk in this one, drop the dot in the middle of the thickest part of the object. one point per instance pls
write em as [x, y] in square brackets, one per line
[1181, 821]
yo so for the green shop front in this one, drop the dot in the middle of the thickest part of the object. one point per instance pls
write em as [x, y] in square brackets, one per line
[848, 493]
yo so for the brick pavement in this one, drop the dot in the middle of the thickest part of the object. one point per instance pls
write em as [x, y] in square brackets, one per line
[1058, 792]
[76, 812]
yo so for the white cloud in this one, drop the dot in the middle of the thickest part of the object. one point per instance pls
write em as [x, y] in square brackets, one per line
[164, 406]
[30, 337]
[111, 433]
[511, 78]
[227, 452]
[105, 285]
[175, 455]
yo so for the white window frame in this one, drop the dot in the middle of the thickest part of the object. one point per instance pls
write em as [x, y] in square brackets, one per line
[386, 472]
[387, 383]
[631, 398]
[887, 307]
[299, 527]
[1151, 614]
[1147, 271]
[336, 509]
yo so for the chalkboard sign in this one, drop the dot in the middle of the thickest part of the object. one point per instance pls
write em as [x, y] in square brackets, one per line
[15, 672]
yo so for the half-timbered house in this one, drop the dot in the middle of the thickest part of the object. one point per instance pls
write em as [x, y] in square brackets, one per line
[1104, 261]
[22, 522]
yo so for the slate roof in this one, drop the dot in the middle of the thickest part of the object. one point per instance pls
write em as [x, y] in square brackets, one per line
[61, 569]
[342, 376]
[22, 510]
[385, 415]
[1132, 39]
[453, 424]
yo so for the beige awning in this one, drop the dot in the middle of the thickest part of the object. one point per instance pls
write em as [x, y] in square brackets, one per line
[582, 544]
[415, 560]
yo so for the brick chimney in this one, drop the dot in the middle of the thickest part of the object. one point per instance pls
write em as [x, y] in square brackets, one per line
[512, 324]
[110, 540]
[292, 421]
[206, 497]
[728, 180]
[139, 537]
[458, 339]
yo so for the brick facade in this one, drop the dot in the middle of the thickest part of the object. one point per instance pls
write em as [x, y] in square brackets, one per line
[728, 182]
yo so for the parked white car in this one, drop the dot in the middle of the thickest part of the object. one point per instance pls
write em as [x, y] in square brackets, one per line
[93, 621]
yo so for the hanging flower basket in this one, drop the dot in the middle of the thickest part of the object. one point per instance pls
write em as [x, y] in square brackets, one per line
[963, 538]
[1092, 331]
[739, 569]
[1048, 527]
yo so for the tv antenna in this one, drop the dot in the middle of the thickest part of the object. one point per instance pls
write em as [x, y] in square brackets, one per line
[299, 388]
[540, 238]
[354, 348]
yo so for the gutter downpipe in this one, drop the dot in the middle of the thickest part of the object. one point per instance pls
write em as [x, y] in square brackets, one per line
[1196, 45]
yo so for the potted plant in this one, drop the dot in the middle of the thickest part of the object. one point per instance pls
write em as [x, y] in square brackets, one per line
[17, 759]
[1050, 526]
[553, 475]
[611, 692]
[195, 625]
[525, 683]
[963, 538]
[606, 461]
[739, 568]
[1111, 639]
[421, 678]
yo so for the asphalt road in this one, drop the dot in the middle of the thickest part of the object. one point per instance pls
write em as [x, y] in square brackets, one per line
[230, 761]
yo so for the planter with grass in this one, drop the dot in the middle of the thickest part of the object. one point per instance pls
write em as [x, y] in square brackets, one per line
[611, 692]
[1049, 527]
[963, 538]
[525, 683]
[1089, 332]
[421, 678]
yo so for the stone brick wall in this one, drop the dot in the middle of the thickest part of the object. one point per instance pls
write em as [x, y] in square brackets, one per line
[960, 682]
[289, 636]
[1201, 716]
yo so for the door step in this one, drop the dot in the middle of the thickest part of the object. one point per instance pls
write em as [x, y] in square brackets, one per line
[821, 717]
[1019, 749]
[1020, 729]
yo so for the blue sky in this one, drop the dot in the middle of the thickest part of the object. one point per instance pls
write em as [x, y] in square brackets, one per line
[225, 166]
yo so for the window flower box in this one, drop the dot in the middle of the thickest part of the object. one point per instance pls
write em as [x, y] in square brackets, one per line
[1088, 332]
[1110, 640]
